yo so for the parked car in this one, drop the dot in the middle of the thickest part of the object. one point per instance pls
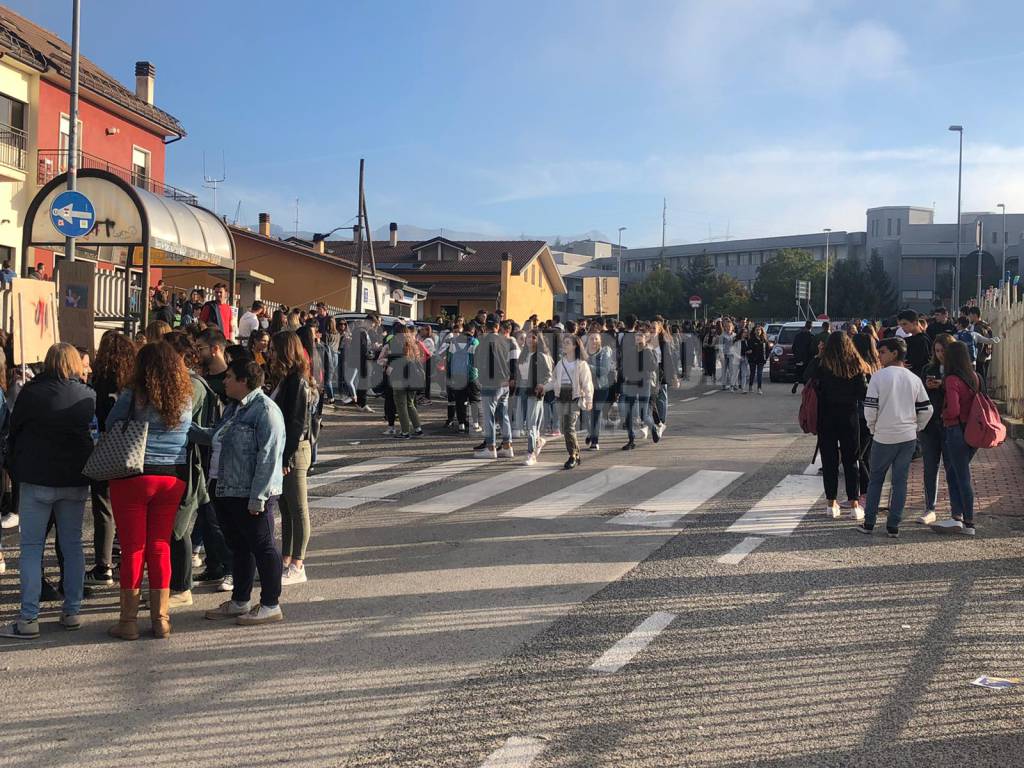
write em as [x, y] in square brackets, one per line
[781, 364]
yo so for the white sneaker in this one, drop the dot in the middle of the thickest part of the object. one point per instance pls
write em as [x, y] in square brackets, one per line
[197, 560]
[948, 526]
[293, 574]
[506, 452]
[388, 432]
[477, 428]
[540, 443]
[531, 459]
[3, 563]
[261, 614]
[643, 432]
[661, 430]
[366, 409]
[346, 400]
[485, 453]
[928, 518]
[229, 609]
[227, 584]
[10, 520]
[760, 391]
[857, 513]
[834, 512]
[516, 434]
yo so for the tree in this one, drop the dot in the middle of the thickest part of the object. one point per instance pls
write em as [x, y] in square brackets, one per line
[775, 288]
[847, 296]
[660, 293]
[883, 301]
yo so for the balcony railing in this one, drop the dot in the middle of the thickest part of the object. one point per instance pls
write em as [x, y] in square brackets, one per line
[53, 162]
[13, 147]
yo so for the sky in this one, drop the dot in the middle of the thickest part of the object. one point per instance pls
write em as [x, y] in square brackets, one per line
[751, 117]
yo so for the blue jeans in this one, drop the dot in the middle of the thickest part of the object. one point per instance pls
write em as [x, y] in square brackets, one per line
[884, 456]
[330, 372]
[494, 403]
[534, 413]
[36, 503]
[932, 439]
[636, 407]
[600, 399]
[661, 405]
[522, 407]
[957, 455]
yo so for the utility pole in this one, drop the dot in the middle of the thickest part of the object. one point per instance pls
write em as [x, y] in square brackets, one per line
[959, 233]
[212, 182]
[296, 217]
[664, 219]
[828, 233]
[979, 237]
[1002, 274]
[76, 11]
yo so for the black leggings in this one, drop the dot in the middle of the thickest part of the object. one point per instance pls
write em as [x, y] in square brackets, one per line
[839, 426]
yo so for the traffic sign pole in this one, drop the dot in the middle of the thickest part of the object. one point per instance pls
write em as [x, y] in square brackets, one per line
[76, 12]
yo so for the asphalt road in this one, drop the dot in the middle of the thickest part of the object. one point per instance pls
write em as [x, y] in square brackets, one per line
[685, 604]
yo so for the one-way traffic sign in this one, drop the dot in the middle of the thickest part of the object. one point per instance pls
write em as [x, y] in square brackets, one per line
[72, 214]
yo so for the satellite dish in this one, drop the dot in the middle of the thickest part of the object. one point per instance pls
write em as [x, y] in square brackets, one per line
[397, 295]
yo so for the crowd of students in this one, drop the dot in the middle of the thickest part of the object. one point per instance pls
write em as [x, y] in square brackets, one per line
[234, 414]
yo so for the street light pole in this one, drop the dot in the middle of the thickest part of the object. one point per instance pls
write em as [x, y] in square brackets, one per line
[828, 233]
[1002, 274]
[980, 237]
[959, 232]
[618, 266]
[69, 243]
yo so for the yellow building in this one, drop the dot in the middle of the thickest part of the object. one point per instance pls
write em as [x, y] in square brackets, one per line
[518, 277]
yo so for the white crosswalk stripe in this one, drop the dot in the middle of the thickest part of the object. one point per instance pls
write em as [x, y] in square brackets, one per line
[576, 495]
[782, 508]
[353, 471]
[387, 489]
[468, 495]
[669, 506]
[516, 752]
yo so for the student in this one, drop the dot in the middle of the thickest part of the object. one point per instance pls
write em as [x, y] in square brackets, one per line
[919, 348]
[803, 351]
[940, 324]
[495, 375]
[932, 437]
[729, 355]
[961, 384]
[217, 313]
[755, 350]
[601, 359]
[536, 367]
[574, 392]
[461, 371]
[896, 409]
[842, 384]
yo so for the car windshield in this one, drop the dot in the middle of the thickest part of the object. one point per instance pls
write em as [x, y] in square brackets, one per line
[786, 335]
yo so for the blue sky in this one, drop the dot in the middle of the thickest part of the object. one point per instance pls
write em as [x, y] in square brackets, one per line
[753, 117]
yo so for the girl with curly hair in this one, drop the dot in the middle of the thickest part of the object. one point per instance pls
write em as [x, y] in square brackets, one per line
[111, 373]
[160, 393]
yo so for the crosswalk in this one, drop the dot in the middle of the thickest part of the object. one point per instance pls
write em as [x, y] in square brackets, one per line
[671, 505]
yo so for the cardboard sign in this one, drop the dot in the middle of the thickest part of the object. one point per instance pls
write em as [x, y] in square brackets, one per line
[35, 319]
[76, 303]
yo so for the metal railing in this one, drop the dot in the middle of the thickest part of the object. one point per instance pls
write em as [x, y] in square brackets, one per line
[53, 162]
[13, 147]
[108, 300]
[1003, 309]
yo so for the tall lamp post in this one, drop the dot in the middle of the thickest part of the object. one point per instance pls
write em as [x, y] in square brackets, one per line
[618, 266]
[959, 235]
[828, 234]
[1002, 274]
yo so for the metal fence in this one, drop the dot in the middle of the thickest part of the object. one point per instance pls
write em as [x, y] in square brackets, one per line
[1004, 311]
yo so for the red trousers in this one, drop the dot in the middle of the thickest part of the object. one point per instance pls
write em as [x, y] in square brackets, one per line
[144, 510]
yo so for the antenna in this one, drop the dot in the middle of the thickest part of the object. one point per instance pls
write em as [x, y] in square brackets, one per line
[296, 217]
[664, 219]
[238, 210]
[210, 182]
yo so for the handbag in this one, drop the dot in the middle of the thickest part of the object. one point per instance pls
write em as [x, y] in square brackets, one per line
[121, 450]
[565, 390]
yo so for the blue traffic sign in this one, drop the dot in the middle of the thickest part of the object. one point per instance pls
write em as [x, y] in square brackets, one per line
[72, 214]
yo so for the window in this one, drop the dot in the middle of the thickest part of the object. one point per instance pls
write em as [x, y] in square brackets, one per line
[917, 295]
[899, 226]
[65, 140]
[890, 227]
[995, 238]
[140, 167]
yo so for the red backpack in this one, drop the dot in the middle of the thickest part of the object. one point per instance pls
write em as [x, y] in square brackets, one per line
[984, 427]
[809, 408]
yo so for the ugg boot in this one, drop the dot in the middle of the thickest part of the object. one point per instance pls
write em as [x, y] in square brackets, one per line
[160, 612]
[127, 627]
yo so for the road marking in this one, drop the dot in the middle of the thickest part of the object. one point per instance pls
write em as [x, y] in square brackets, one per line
[620, 654]
[468, 495]
[736, 554]
[812, 469]
[356, 470]
[712, 392]
[517, 752]
[782, 508]
[689, 399]
[576, 495]
[329, 456]
[396, 485]
[665, 509]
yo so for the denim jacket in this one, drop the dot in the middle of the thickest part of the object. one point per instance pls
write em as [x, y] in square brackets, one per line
[164, 447]
[252, 446]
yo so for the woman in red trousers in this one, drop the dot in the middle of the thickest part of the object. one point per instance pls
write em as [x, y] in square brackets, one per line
[145, 506]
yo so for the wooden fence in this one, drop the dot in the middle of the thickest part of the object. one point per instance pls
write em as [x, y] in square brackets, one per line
[1004, 311]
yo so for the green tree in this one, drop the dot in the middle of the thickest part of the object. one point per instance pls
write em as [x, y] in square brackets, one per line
[882, 299]
[774, 292]
[661, 292]
[847, 296]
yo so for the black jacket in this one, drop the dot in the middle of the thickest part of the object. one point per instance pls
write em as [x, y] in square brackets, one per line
[919, 352]
[164, 313]
[835, 393]
[50, 441]
[935, 328]
[755, 350]
[937, 396]
[295, 398]
[803, 346]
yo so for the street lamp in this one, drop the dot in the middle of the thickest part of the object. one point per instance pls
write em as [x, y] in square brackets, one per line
[959, 235]
[618, 262]
[828, 233]
[1002, 274]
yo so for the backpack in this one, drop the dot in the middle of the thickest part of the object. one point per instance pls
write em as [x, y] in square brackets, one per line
[984, 428]
[458, 360]
[967, 337]
[809, 408]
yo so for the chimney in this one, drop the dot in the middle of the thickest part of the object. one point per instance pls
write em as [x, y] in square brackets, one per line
[355, 232]
[145, 74]
[394, 234]
[265, 224]
[319, 245]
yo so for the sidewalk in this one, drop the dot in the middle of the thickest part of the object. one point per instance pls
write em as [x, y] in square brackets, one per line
[998, 478]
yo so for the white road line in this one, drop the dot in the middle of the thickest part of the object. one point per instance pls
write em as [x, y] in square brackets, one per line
[736, 554]
[329, 456]
[812, 469]
[666, 509]
[712, 392]
[782, 508]
[356, 470]
[517, 752]
[396, 485]
[620, 654]
[576, 495]
[689, 399]
[466, 496]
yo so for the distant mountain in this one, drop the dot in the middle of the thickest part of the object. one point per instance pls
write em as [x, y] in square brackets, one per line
[412, 232]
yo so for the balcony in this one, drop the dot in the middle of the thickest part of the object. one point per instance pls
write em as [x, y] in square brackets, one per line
[53, 162]
[13, 147]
